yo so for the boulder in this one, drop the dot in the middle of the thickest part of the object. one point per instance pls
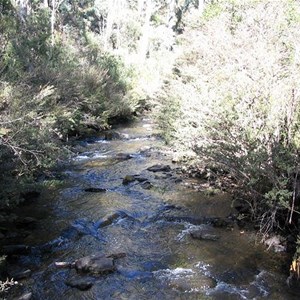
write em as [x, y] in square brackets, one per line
[95, 264]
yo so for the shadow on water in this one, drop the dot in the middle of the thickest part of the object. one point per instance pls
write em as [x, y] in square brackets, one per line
[151, 218]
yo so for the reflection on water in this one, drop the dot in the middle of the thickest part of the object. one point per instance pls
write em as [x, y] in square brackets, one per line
[151, 223]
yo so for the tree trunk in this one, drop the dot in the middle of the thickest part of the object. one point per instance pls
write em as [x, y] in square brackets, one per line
[143, 46]
[109, 22]
[53, 21]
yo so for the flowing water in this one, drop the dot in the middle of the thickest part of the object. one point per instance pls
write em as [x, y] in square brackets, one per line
[155, 216]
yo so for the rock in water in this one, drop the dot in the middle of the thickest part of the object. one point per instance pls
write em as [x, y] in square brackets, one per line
[95, 190]
[109, 219]
[21, 275]
[26, 296]
[63, 265]
[95, 264]
[147, 185]
[200, 235]
[159, 168]
[128, 179]
[82, 284]
[123, 156]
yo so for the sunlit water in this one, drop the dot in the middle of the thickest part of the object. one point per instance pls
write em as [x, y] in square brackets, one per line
[162, 260]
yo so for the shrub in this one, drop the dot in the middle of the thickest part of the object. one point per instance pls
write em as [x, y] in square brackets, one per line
[237, 89]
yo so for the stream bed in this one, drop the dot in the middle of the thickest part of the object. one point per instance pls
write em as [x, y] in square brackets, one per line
[124, 195]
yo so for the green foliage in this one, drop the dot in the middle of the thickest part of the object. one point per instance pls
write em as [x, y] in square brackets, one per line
[51, 92]
[237, 92]
[27, 44]
[212, 10]
[168, 115]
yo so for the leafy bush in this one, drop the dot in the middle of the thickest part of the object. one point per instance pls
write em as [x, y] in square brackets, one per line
[51, 92]
[237, 89]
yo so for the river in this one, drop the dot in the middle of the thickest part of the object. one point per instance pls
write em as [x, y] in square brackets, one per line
[111, 202]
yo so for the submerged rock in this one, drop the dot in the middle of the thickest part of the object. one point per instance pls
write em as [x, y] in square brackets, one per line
[123, 156]
[141, 179]
[159, 168]
[82, 284]
[134, 274]
[201, 235]
[112, 135]
[117, 255]
[21, 275]
[153, 265]
[146, 185]
[109, 219]
[239, 276]
[222, 222]
[131, 178]
[26, 296]
[95, 190]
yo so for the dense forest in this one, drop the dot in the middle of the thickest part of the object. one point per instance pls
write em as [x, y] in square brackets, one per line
[221, 78]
